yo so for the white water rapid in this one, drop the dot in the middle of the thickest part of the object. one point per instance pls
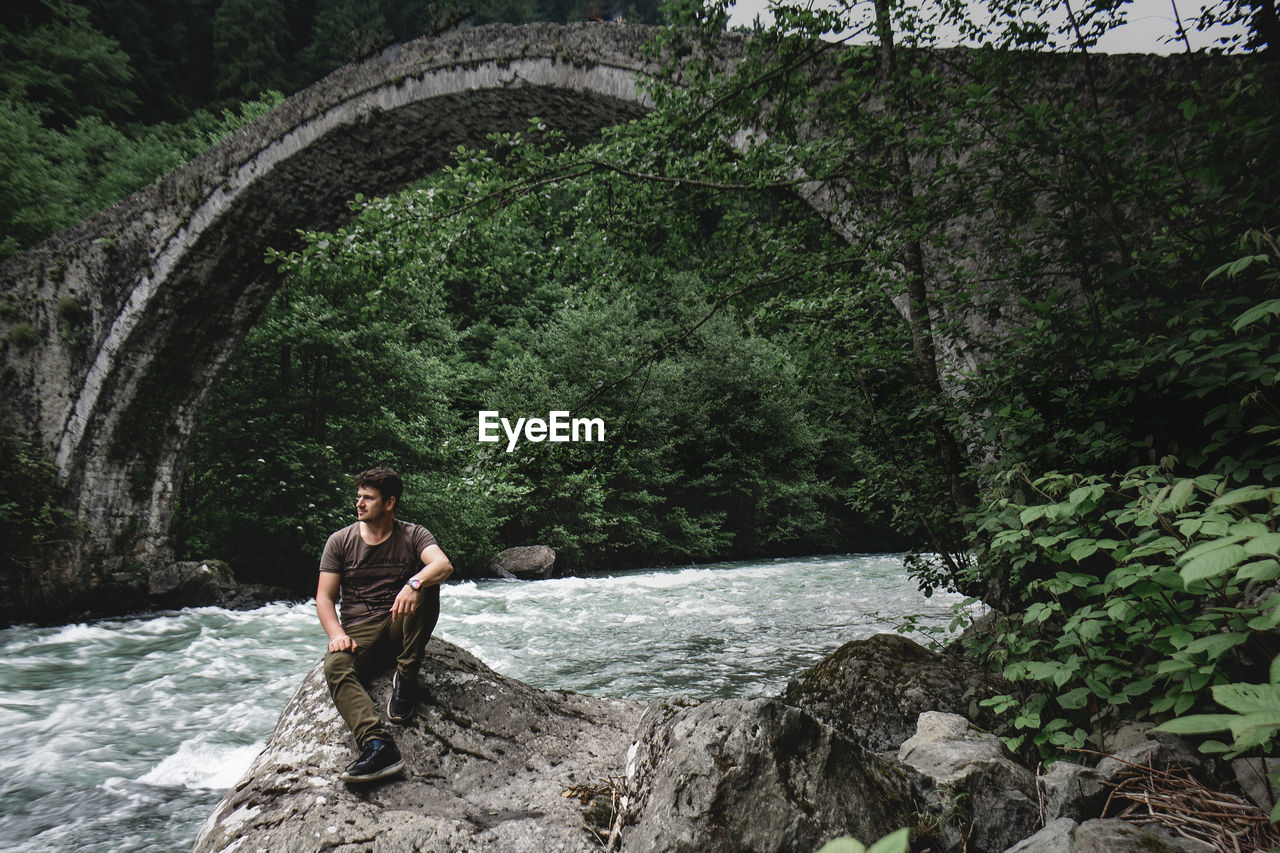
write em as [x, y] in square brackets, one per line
[120, 736]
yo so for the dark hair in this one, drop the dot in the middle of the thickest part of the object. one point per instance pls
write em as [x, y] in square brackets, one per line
[385, 480]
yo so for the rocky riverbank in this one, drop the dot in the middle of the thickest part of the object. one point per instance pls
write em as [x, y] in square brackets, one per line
[878, 736]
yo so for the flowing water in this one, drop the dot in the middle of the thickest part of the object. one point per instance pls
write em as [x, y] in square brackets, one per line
[121, 735]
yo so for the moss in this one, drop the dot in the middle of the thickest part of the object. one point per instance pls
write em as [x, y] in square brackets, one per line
[56, 272]
[140, 483]
[22, 336]
[73, 321]
[10, 310]
[69, 310]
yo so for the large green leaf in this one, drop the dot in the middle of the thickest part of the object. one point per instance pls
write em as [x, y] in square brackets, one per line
[894, 842]
[1180, 494]
[1247, 494]
[1212, 563]
[1215, 644]
[1259, 570]
[1197, 724]
[843, 845]
[1267, 543]
[1269, 308]
[1257, 728]
[1249, 698]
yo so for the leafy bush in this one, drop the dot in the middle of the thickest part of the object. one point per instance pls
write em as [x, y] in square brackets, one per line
[1157, 598]
[1144, 595]
[1254, 721]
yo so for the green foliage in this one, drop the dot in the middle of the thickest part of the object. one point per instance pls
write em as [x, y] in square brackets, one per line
[1060, 256]
[343, 32]
[1143, 595]
[54, 61]
[711, 405]
[332, 381]
[1152, 602]
[60, 176]
[33, 519]
[250, 41]
[1254, 721]
[894, 842]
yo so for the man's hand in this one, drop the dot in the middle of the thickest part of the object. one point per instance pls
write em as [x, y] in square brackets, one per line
[406, 602]
[342, 643]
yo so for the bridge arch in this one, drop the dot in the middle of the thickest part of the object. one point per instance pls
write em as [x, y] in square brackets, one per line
[138, 309]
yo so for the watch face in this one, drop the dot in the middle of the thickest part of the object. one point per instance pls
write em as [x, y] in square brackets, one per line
[415, 583]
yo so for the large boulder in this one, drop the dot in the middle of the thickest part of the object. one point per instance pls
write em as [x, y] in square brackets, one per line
[740, 775]
[526, 562]
[490, 764]
[874, 690]
[981, 799]
[205, 583]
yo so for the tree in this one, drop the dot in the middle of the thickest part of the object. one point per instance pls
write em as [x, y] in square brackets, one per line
[56, 177]
[52, 58]
[250, 43]
[592, 296]
[344, 31]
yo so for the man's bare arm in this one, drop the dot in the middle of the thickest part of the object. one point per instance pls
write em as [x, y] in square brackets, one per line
[327, 610]
[436, 568]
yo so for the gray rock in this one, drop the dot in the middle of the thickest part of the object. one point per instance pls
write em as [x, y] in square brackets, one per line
[1058, 836]
[981, 799]
[754, 775]
[874, 690]
[526, 562]
[1071, 790]
[205, 583]
[488, 763]
[193, 578]
[1251, 775]
[1137, 744]
[1120, 836]
[1107, 836]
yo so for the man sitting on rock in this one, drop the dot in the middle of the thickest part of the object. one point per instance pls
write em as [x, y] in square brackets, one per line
[388, 573]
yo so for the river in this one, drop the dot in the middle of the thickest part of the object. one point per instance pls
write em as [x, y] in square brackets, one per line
[122, 734]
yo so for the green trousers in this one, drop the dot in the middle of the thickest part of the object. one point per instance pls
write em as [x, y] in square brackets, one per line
[379, 643]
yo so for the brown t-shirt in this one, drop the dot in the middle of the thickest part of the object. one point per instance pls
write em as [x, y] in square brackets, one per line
[373, 575]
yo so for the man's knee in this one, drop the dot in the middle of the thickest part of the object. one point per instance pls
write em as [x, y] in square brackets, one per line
[338, 665]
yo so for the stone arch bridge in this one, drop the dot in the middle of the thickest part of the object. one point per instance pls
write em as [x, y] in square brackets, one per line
[116, 331]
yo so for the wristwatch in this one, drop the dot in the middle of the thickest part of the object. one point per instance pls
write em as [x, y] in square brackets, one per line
[415, 583]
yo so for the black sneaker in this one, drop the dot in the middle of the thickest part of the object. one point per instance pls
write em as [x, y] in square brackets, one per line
[379, 759]
[404, 695]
